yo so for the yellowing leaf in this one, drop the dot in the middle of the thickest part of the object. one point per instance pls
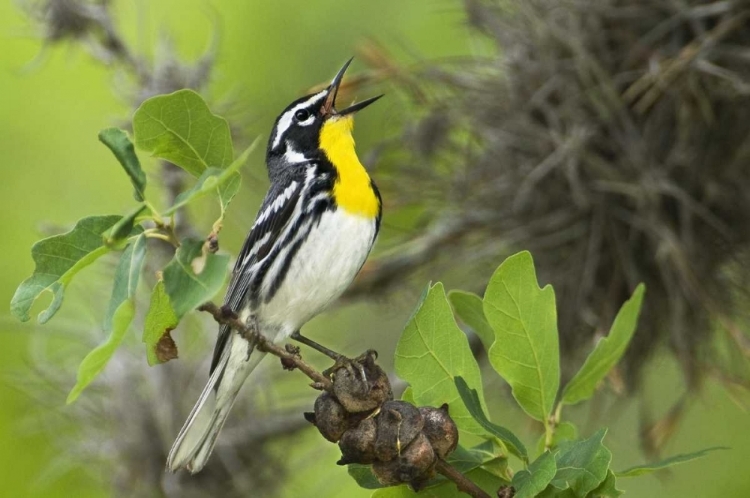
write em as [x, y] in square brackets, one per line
[160, 321]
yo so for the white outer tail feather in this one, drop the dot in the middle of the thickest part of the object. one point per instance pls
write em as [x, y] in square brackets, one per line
[197, 438]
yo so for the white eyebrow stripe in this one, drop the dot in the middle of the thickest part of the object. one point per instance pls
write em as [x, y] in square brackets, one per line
[285, 121]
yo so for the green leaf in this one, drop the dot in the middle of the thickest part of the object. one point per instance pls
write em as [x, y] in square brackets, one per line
[607, 352]
[126, 278]
[408, 395]
[193, 277]
[225, 182]
[483, 455]
[96, 360]
[444, 489]
[116, 236]
[565, 431]
[608, 488]
[58, 259]
[469, 308]
[118, 142]
[524, 318]
[471, 401]
[582, 465]
[120, 313]
[227, 191]
[432, 351]
[208, 182]
[529, 483]
[553, 492]
[180, 128]
[668, 462]
[160, 321]
[363, 475]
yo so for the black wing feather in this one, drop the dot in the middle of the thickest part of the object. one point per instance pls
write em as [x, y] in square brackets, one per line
[272, 226]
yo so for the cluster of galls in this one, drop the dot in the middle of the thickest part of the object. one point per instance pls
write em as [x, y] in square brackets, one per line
[402, 442]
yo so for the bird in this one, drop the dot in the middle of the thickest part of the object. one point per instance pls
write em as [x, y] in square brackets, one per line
[311, 236]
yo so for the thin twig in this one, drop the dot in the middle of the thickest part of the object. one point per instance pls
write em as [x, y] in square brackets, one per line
[462, 482]
[321, 382]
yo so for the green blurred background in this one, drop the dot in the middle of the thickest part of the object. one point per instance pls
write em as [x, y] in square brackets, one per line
[55, 100]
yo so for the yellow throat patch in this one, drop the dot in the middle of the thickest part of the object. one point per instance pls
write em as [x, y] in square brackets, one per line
[352, 190]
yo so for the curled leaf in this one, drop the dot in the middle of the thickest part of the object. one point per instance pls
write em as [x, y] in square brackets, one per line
[118, 142]
[58, 259]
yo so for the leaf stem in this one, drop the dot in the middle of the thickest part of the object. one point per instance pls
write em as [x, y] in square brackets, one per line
[551, 426]
[154, 212]
[156, 233]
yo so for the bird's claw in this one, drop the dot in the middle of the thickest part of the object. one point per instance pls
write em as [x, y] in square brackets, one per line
[353, 364]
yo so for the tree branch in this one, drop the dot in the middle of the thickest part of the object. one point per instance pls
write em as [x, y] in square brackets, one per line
[462, 482]
[320, 381]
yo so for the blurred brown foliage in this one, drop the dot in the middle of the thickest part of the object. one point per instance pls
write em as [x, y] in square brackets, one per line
[609, 138]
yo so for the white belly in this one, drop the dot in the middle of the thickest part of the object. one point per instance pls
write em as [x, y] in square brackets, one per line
[322, 269]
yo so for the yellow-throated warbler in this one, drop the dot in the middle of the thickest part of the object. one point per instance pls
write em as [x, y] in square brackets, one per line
[313, 232]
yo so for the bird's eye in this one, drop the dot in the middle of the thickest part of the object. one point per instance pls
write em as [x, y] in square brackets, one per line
[302, 115]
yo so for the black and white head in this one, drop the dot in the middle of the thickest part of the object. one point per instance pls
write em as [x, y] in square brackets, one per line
[296, 134]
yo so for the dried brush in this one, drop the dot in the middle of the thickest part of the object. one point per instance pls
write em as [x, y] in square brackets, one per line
[612, 140]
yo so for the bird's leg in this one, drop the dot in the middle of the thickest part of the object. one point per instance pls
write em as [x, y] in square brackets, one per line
[340, 360]
[317, 347]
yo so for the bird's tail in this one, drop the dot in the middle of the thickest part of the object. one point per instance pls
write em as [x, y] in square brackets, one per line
[197, 438]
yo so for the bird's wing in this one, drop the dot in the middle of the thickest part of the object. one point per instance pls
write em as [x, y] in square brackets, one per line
[273, 217]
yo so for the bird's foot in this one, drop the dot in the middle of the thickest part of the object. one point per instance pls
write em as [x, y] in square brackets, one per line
[359, 384]
[360, 364]
[227, 312]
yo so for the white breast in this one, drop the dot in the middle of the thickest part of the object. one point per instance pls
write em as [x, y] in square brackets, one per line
[322, 269]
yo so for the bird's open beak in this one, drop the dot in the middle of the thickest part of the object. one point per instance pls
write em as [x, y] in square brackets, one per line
[329, 106]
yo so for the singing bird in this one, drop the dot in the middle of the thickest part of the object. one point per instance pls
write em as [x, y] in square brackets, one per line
[311, 236]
